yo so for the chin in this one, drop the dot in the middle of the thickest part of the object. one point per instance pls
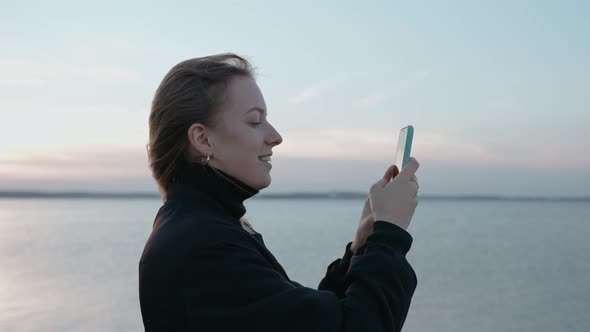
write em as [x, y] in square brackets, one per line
[263, 183]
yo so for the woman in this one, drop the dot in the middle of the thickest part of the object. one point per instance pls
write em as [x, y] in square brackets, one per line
[204, 268]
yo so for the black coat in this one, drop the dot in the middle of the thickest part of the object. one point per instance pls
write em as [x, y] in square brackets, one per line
[201, 271]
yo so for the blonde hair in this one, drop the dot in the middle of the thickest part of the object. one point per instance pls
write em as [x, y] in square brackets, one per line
[191, 92]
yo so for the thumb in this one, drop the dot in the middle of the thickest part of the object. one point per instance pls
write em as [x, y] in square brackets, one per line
[410, 168]
[366, 208]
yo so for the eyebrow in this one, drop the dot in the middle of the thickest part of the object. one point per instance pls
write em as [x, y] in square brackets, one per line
[260, 110]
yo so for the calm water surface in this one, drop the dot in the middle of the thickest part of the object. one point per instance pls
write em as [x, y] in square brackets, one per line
[71, 264]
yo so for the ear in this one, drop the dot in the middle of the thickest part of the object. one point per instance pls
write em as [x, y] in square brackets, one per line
[197, 136]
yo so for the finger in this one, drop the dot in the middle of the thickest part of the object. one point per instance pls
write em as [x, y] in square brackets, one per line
[413, 178]
[366, 207]
[386, 177]
[389, 173]
[395, 171]
[410, 168]
[413, 188]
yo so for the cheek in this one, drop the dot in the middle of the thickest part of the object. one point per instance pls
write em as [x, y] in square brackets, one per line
[248, 143]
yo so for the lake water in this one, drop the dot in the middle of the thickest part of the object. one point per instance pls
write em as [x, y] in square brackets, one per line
[71, 264]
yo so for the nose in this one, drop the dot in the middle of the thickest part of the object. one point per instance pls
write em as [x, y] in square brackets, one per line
[274, 138]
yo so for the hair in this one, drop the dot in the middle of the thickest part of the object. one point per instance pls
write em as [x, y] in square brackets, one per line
[191, 92]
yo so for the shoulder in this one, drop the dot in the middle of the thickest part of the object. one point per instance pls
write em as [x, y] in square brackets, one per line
[178, 231]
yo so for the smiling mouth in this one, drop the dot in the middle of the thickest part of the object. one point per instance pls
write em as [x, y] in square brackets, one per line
[266, 162]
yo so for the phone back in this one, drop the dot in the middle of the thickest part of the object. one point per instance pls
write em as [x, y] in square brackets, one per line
[404, 146]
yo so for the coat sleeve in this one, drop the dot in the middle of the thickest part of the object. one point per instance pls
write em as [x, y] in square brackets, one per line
[232, 287]
[335, 278]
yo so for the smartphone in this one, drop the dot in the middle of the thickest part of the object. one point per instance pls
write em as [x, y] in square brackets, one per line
[404, 147]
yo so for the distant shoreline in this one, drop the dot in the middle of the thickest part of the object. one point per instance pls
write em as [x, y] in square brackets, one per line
[292, 195]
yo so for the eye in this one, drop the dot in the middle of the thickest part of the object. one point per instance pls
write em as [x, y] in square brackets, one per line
[256, 123]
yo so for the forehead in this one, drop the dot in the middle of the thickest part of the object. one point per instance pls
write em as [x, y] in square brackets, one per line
[243, 94]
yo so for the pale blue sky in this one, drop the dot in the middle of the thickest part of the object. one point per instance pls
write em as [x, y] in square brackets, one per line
[498, 92]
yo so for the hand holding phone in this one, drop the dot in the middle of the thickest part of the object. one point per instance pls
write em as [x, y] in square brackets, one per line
[394, 197]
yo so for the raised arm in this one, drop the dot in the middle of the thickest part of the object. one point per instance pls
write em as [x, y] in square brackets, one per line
[232, 287]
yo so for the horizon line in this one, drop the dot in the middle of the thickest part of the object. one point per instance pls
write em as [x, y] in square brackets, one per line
[37, 194]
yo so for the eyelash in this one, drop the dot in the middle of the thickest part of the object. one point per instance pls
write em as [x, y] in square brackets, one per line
[256, 123]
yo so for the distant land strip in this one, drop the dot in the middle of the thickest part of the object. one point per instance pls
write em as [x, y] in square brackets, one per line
[292, 195]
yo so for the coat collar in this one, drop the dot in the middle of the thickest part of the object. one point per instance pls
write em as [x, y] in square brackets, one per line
[195, 181]
[195, 178]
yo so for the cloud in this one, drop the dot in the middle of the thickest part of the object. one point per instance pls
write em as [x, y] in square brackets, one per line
[375, 145]
[23, 73]
[419, 75]
[378, 145]
[333, 154]
[376, 98]
[336, 159]
[322, 87]
[382, 95]
[115, 167]
[435, 177]
[551, 156]
[80, 162]
[29, 128]
[309, 93]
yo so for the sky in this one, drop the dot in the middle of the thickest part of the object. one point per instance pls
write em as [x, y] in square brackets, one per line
[498, 91]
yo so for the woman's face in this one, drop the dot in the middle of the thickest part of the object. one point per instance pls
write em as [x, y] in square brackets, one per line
[242, 136]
